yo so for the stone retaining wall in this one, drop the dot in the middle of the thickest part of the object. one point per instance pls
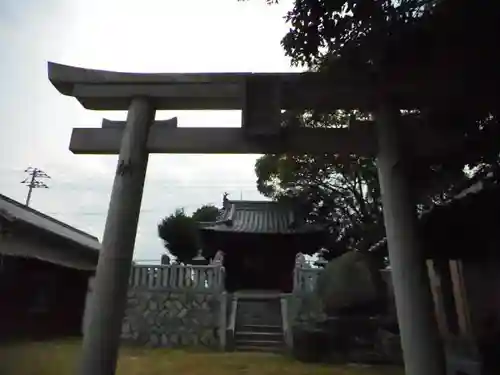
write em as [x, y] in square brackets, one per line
[162, 318]
[304, 308]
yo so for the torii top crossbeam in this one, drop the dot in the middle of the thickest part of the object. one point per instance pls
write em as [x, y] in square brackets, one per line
[104, 90]
[261, 96]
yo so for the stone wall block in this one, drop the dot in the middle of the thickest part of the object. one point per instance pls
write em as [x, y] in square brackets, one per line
[160, 318]
[164, 341]
[153, 304]
[199, 298]
[155, 340]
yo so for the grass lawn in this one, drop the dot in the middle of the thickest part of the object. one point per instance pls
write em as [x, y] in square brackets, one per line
[53, 358]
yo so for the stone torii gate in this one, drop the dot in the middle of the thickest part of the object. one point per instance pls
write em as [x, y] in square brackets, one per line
[261, 97]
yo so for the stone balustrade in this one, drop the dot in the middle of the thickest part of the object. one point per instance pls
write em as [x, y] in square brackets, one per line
[177, 277]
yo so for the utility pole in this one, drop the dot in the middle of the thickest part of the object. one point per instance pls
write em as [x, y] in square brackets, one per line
[32, 181]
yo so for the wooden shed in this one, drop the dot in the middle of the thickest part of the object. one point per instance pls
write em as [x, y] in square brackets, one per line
[463, 261]
[45, 266]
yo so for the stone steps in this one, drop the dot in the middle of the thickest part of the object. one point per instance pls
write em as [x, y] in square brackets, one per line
[262, 328]
[254, 311]
[259, 325]
[263, 332]
[258, 336]
[260, 349]
[259, 341]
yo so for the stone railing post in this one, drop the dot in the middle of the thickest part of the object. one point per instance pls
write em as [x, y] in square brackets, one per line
[232, 323]
[218, 258]
[285, 321]
[300, 262]
[223, 320]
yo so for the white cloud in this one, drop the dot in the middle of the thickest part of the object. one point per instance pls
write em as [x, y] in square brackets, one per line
[124, 35]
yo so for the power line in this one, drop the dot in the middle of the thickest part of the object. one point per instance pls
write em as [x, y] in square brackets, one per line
[32, 181]
[221, 186]
[246, 186]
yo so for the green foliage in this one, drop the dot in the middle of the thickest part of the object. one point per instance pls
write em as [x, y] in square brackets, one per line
[356, 30]
[180, 234]
[443, 43]
[382, 40]
[206, 213]
[347, 281]
[453, 43]
[268, 2]
[341, 192]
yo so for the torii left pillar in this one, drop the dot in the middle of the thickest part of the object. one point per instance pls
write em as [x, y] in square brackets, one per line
[102, 336]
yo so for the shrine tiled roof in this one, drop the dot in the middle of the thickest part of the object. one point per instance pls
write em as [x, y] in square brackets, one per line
[259, 217]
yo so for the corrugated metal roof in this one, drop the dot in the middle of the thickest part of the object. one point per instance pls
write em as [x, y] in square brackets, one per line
[15, 211]
[475, 188]
[258, 217]
[55, 255]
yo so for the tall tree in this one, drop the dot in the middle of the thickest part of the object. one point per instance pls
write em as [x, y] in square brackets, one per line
[384, 40]
[205, 213]
[448, 46]
[341, 192]
[179, 231]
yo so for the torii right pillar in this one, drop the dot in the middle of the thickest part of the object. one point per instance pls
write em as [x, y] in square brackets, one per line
[422, 350]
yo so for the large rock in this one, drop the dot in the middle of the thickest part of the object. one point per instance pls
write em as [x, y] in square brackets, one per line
[310, 345]
[348, 281]
[389, 345]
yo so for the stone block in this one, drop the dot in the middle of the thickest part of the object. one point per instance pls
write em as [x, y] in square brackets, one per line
[174, 296]
[142, 338]
[164, 340]
[174, 338]
[177, 304]
[199, 297]
[185, 340]
[126, 327]
[183, 298]
[150, 319]
[154, 340]
[195, 340]
[153, 304]
[166, 303]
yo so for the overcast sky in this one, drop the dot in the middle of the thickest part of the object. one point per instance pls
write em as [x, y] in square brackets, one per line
[124, 35]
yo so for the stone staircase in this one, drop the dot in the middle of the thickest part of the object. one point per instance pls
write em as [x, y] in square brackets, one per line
[259, 323]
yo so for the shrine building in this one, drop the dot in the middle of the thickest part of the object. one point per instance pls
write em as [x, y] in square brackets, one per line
[260, 241]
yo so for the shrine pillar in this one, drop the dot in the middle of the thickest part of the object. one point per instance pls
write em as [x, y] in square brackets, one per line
[422, 350]
[102, 335]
